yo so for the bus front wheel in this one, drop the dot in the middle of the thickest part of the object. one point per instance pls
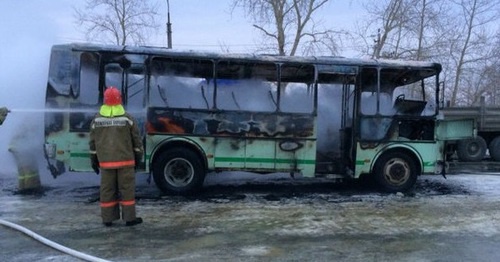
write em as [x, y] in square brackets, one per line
[395, 172]
[178, 171]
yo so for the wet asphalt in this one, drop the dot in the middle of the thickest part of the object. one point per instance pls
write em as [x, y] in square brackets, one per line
[255, 219]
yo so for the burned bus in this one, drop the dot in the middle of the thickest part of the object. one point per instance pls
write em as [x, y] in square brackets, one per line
[204, 112]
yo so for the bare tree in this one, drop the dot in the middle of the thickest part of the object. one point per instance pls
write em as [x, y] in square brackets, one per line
[404, 28]
[118, 21]
[424, 23]
[456, 33]
[493, 73]
[290, 25]
[391, 17]
[470, 47]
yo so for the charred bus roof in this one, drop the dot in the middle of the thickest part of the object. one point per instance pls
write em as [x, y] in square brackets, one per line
[160, 51]
[330, 69]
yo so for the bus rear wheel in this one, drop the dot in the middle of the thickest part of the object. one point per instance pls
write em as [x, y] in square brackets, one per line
[395, 172]
[178, 171]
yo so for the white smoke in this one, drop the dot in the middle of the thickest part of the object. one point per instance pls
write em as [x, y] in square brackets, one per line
[28, 35]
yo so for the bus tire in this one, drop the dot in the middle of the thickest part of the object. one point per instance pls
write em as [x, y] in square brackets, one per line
[471, 150]
[395, 171]
[494, 148]
[178, 171]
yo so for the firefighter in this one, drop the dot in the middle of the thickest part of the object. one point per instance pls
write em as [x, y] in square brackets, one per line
[115, 149]
[3, 114]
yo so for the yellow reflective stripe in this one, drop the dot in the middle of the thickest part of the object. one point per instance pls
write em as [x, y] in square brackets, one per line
[27, 175]
[110, 111]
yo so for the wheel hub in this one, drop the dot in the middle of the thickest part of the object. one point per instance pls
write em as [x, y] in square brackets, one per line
[179, 172]
[397, 171]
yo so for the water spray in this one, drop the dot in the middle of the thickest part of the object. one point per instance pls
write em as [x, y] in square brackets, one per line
[52, 110]
[67, 110]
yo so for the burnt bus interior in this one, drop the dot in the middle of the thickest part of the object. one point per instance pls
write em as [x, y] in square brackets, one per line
[349, 101]
[401, 110]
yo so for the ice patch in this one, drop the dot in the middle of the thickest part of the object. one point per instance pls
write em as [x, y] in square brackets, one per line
[256, 250]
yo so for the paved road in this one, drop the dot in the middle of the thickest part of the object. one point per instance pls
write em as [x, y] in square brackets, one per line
[457, 219]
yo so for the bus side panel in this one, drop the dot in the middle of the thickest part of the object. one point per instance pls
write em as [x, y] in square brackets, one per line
[427, 154]
[79, 156]
[242, 140]
[431, 154]
[300, 160]
[260, 154]
[155, 144]
[229, 153]
[80, 118]
[68, 132]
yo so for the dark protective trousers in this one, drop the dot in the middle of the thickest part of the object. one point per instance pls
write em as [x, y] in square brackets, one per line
[117, 190]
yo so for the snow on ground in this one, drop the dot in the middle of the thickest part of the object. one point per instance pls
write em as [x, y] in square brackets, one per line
[244, 216]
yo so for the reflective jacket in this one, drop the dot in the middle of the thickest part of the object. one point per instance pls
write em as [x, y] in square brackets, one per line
[115, 138]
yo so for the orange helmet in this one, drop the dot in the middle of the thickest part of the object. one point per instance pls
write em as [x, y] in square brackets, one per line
[112, 96]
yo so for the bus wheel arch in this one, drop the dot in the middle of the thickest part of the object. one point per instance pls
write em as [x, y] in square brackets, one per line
[396, 170]
[178, 169]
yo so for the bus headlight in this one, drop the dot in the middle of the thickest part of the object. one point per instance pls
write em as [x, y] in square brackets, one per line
[50, 150]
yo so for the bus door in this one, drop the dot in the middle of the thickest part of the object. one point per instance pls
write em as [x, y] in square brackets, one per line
[335, 118]
[346, 124]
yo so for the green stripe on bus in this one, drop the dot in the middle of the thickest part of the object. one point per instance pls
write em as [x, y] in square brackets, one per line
[264, 160]
[87, 155]
[360, 162]
[80, 155]
[429, 163]
[426, 164]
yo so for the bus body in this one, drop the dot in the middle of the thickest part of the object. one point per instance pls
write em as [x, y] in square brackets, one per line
[203, 112]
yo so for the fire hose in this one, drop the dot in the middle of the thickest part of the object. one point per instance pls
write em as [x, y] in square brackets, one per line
[52, 244]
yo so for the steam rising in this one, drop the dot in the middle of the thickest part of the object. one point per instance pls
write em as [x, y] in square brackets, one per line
[24, 63]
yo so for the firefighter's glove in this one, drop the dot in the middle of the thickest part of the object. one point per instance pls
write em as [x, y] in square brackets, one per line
[95, 163]
[138, 160]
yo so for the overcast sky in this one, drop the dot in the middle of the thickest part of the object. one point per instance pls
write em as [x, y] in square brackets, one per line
[29, 28]
[196, 24]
